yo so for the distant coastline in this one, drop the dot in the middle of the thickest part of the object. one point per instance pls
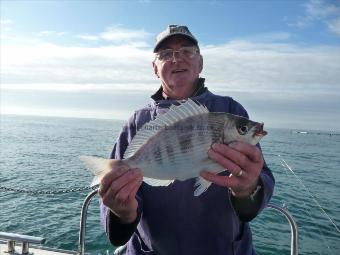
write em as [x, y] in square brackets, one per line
[314, 132]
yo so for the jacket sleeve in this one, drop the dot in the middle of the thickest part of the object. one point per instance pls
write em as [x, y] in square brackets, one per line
[247, 208]
[117, 232]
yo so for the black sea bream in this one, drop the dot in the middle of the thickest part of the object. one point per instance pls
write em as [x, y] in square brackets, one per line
[174, 146]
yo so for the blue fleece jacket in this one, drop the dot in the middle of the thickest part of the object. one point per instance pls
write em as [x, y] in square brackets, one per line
[171, 221]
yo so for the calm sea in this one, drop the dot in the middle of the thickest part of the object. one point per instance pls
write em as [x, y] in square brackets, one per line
[41, 153]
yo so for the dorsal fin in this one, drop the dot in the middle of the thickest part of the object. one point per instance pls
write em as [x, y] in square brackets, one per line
[173, 115]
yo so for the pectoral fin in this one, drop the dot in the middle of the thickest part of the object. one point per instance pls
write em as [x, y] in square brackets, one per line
[201, 186]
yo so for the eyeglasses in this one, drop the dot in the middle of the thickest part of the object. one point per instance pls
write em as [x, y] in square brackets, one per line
[169, 54]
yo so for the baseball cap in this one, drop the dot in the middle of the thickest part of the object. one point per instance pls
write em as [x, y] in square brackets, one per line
[172, 30]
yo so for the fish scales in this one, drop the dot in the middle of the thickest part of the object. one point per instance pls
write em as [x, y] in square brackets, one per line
[189, 138]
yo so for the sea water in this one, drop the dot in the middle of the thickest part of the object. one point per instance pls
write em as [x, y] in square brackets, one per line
[41, 153]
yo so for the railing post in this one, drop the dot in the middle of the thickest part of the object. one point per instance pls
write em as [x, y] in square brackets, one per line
[10, 246]
[293, 227]
[83, 217]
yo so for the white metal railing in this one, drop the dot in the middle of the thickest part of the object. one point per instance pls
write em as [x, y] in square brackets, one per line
[282, 210]
[26, 240]
[293, 227]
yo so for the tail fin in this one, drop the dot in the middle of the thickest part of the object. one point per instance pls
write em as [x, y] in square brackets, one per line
[98, 166]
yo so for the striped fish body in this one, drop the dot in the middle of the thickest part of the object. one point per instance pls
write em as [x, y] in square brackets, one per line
[179, 150]
[175, 145]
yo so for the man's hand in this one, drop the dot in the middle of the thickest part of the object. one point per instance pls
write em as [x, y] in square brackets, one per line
[118, 189]
[244, 163]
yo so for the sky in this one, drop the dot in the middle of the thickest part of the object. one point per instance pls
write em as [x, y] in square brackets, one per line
[93, 59]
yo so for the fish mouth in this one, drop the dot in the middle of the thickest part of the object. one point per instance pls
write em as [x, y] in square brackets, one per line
[259, 130]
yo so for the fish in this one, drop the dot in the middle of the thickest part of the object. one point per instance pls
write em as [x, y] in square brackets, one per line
[174, 146]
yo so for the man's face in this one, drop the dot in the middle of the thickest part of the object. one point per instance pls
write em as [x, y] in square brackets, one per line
[179, 74]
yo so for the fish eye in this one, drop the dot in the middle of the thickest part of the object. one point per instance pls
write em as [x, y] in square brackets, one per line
[243, 130]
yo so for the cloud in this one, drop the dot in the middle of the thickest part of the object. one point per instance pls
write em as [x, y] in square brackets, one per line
[115, 35]
[54, 64]
[326, 12]
[6, 25]
[266, 37]
[33, 61]
[319, 9]
[88, 37]
[81, 79]
[238, 65]
[334, 26]
[51, 33]
[118, 35]
[72, 87]
[249, 66]
[6, 22]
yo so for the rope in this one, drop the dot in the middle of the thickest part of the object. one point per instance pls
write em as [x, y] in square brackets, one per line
[47, 192]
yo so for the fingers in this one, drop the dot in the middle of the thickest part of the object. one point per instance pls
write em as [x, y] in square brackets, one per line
[214, 178]
[133, 175]
[117, 171]
[118, 189]
[121, 185]
[250, 151]
[124, 190]
[134, 189]
[226, 157]
[244, 163]
[236, 157]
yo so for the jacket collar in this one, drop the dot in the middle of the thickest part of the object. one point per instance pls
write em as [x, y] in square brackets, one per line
[200, 89]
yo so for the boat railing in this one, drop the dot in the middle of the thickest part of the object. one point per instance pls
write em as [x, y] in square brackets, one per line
[281, 209]
[83, 217]
[293, 226]
[27, 240]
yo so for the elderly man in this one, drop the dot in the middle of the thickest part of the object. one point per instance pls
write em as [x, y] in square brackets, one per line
[170, 220]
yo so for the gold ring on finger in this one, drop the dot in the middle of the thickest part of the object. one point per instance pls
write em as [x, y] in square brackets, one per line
[239, 174]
